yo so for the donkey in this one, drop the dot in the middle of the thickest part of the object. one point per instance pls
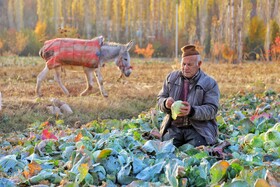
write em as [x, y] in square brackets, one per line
[90, 54]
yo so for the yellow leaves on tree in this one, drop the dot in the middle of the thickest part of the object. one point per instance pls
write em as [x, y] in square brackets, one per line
[275, 49]
[257, 30]
[227, 53]
[16, 41]
[223, 51]
[40, 30]
[21, 41]
[146, 52]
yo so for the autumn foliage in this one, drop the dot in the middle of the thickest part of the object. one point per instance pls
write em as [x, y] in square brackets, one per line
[223, 52]
[14, 42]
[275, 48]
[146, 52]
[40, 29]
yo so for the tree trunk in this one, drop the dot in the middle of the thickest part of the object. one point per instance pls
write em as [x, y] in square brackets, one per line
[232, 25]
[207, 46]
[203, 15]
[87, 18]
[108, 19]
[240, 32]
[223, 23]
[56, 15]
[254, 9]
[140, 26]
[267, 36]
[152, 21]
[227, 24]
[117, 24]
[275, 9]
[197, 29]
[126, 22]
[10, 15]
[98, 18]
[19, 14]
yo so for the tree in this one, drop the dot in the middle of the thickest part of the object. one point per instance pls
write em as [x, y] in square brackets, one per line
[46, 14]
[10, 12]
[208, 38]
[18, 7]
[275, 30]
[240, 31]
[254, 9]
[15, 41]
[207, 23]
[254, 42]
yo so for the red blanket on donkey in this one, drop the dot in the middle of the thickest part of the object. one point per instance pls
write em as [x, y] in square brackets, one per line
[71, 51]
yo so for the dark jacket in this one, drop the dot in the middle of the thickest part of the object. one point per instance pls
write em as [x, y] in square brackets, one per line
[203, 96]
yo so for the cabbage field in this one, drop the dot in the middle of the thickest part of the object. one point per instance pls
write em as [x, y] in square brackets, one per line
[114, 141]
[128, 153]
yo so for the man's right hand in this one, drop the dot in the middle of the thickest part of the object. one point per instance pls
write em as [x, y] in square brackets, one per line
[169, 101]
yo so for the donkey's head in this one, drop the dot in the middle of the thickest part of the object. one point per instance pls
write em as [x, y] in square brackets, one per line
[123, 60]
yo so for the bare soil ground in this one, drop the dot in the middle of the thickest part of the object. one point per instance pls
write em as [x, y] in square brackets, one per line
[128, 97]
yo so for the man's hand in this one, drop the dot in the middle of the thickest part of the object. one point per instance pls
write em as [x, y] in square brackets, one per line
[186, 109]
[169, 101]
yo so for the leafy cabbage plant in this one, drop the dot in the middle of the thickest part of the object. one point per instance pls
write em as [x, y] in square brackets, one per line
[9, 164]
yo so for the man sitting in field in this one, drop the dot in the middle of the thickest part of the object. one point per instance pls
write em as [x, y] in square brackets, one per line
[199, 94]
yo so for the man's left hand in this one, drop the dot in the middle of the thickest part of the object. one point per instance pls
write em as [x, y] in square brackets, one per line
[185, 110]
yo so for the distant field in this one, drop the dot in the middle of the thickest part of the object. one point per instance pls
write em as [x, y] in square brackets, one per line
[127, 97]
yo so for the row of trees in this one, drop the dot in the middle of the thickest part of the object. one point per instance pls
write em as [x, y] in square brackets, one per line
[229, 30]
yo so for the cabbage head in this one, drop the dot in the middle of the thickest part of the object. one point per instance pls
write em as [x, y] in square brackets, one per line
[277, 127]
[273, 135]
[268, 145]
[175, 108]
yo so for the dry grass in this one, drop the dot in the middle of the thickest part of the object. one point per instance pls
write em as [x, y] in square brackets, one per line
[127, 97]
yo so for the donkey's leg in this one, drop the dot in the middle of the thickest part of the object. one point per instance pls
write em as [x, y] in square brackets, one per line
[40, 78]
[88, 73]
[58, 80]
[100, 81]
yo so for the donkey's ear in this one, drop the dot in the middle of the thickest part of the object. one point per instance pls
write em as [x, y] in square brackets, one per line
[129, 45]
[101, 40]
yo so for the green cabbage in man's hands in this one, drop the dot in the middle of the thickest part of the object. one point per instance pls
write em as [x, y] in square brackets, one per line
[176, 108]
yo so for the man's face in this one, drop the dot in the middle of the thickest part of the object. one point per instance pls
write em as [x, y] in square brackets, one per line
[190, 66]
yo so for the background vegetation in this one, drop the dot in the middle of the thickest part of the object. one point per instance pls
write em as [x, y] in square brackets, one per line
[231, 30]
